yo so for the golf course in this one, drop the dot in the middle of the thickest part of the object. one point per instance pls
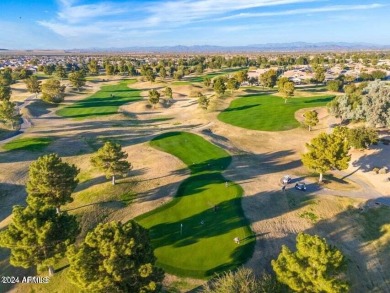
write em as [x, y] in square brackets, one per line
[198, 175]
[268, 113]
[104, 102]
[200, 223]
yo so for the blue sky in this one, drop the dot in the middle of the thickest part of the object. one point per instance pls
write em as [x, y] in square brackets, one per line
[67, 24]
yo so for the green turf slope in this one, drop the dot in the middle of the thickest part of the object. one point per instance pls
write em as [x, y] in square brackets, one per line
[201, 249]
[104, 102]
[268, 113]
[28, 144]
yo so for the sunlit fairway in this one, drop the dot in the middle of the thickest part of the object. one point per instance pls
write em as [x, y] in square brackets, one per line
[190, 236]
[28, 144]
[104, 102]
[268, 113]
[211, 75]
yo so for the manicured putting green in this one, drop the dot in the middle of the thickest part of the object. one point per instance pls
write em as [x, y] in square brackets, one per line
[190, 236]
[104, 102]
[28, 144]
[268, 113]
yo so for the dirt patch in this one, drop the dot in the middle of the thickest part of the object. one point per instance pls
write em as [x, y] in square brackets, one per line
[260, 159]
[154, 185]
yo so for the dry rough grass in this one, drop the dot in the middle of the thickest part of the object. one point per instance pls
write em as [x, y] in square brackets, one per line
[260, 159]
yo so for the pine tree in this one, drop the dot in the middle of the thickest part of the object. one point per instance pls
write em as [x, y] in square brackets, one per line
[93, 67]
[315, 267]
[148, 73]
[33, 85]
[163, 72]
[168, 93]
[362, 137]
[203, 101]
[111, 160]
[51, 182]
[60, 71]
[77, 79]
[219, 85]
[232, 84]
[53, 91]
[115, 257]
[268, 78]
[9, 112]
[286, 88]
[311, 119]
[154, 97]
[5, 92]
[326, 152]
[319, 74]
[241, 76]
[38, 237]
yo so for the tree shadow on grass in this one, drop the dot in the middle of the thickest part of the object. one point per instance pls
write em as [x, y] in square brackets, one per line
[258, 92]
[322, 100]
[233, 109]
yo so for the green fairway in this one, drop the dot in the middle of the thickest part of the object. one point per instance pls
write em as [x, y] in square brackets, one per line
[211, 75]
[104, 102]
[29, 144]
[204, 244]
[181, 83]
[268, 113]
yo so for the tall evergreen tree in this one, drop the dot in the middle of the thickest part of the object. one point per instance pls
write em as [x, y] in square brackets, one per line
[286, 88]
[219, 85]
[241, 76]
[53, 91]
[154, 97]
[268, 78]
[6, 77]
[5, 92]
[9, 113]
[77, 79]
[232, 84]
[111, 160]
[319, 74]
[115, 257]
[203, 101]
[326, 152]
[51, 182]
[168, 93]
[311, 119]
[60, 71]
[315, 267]
[93, 67]
[38, 237]
[33, 85]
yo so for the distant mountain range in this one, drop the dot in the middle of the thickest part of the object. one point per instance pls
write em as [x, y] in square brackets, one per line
[269, 47]
[254, 48]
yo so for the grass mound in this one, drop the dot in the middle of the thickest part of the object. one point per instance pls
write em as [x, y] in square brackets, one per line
[104, 102]
[28, 144]
[193, 234]
[268, 113]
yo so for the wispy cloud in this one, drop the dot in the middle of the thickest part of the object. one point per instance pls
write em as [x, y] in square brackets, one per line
[72, 13]
[75, 19]
[121, 20]
[187, 11]
[323, 9]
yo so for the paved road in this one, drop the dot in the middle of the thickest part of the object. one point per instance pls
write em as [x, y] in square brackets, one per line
[26, 121]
